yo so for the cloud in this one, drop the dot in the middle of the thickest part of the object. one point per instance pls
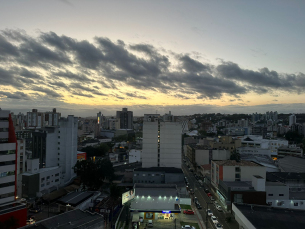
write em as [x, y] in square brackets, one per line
[47, 91]
[16, 95]
[81, 67]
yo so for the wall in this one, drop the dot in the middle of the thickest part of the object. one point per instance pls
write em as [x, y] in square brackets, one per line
[170, 144]
[135, 155]
[276, 190]
[21, 215]
[186, 201]
[246, 172]
[241, 219]
[150, 145]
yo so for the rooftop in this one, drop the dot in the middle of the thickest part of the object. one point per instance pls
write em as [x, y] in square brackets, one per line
[160, 169]
[236, 163]
[265, 217]
[71, 219]
[75, 198]
[292, 164]
[284, 176]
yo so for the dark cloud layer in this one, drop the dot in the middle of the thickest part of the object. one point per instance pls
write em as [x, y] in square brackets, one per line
[115, 64]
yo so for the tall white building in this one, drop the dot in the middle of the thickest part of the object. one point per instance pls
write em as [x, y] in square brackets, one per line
[292, 119]
[162, 142]
[57, 146]
[8, 157]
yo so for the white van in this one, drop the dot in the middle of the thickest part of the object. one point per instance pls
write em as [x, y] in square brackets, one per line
[150, 223]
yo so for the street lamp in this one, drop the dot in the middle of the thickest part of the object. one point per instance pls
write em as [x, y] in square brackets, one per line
[206, 218]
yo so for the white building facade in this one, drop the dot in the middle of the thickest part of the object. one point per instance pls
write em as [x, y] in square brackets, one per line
[162, 142]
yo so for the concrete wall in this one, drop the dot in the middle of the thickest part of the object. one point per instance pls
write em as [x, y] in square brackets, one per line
[246, 172]
[170, 144]
[273, 191]
[135, 155]
[150, 145]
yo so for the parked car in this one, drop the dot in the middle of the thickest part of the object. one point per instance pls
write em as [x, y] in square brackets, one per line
[195, 199]
[187, 227]
[35, 210]
[198, 206]
[150, 223]
[218, 207]
[188, 212]
[210, 213]
[218, 226]
[214, 219]
[212, 198]
[209, 194]
[191, 191]
[206, 190]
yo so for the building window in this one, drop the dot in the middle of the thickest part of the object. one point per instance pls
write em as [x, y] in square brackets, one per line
[237, 169]
[270, 194]
[269, 203]
[281, 194]
[143, 175]
[42, 185]
[56, 180]
[296, 204]
[237, 175]
[48, 177]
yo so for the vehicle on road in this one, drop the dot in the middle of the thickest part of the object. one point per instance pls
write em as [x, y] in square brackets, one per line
[188, 212]
[218, 226]
[150, 223]
[214, 219]
[210, 213]
[34, 210]
[209, 194]
[212, 198]
[187, 227]
[200, 182]
[198, 206]
[218, 207]
[206, 190]
[195, 199]
[191, 191]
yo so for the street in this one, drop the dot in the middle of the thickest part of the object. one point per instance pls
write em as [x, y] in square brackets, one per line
[204, 199]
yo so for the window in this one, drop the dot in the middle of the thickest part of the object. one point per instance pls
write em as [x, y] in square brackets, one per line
[270, 194]
[296, 204]
[143, 175]
[237, 169]
[56, 180]
[281, 194]
[48, 177]
[237, 175]
[48, 183]
[269, 203]
[42, 179]
[42, 185]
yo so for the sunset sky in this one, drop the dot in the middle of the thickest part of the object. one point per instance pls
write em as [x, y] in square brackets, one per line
[152, 56]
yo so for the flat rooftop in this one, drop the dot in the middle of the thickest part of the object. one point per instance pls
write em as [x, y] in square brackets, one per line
[236, 163]
[269, 217]
[160, 169]
[75, 198]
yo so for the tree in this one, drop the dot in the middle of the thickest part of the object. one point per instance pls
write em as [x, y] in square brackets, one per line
[294, 136]
[235, 156]
[93, 174]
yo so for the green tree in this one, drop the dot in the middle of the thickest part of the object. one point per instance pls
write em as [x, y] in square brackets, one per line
[93, 174]
[235, 156]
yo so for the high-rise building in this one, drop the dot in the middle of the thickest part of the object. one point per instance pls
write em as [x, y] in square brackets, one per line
[41, 119]
[8, 172]
[125, 118]
[292, 119]
[57, 146]
[162, 142]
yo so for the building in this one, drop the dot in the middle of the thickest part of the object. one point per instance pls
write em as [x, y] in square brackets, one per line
[250, 216]
[135, 155]
[292, 120]
[39, 181]
[57, 146]
[41, 119]
[226, 142]
[162, 142]
[201, 154]
[156, 202]
[125, 118]
[9, 170]
[71, 219]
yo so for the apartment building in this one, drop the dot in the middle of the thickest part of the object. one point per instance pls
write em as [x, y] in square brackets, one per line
[125, 118]
[162, 142]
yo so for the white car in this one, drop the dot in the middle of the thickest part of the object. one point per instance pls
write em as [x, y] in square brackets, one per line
[150, 223]
[218, 226]
[210, 213]
[214, 219]
[218, 207]
[187, 227]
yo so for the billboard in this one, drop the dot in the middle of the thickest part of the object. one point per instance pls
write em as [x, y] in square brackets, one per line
[126, 196]
[81, 156]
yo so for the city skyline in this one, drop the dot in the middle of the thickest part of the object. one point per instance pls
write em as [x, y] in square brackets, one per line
[188, 58]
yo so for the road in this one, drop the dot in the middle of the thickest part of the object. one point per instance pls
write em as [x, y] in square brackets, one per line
[204, 199]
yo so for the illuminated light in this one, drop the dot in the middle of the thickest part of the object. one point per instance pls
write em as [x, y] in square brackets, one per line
[166, 211]
[137, 196]
[159, 196]
[148, 197]
[142, 196]
[164, 197]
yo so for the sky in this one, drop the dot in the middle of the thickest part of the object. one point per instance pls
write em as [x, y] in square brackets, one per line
[153, 56]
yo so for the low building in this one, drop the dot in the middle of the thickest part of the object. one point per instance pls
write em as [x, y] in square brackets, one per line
[155, 201]
[135, 156]
[250, 216]
[71, 219]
